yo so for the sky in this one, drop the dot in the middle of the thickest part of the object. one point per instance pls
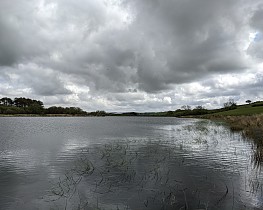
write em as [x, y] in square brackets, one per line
[132, 55]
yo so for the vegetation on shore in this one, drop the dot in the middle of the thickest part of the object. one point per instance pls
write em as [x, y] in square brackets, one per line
[248, 119]
[251, 128]
[30, 107]
[26, 107]
[230, 108]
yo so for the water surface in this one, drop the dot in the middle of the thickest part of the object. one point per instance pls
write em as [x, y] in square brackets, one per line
[125, 163]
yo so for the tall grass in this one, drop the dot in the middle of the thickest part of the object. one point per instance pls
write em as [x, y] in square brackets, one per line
[251, 128]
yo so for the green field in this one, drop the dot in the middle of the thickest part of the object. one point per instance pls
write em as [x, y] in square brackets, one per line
[243, 110]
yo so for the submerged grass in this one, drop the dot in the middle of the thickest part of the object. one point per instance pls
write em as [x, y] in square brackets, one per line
[151, 174]
[252, 129]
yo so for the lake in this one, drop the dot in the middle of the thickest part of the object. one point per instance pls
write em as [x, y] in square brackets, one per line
[125, 163]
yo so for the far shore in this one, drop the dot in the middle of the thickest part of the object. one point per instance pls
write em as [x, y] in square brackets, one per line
[38, 115]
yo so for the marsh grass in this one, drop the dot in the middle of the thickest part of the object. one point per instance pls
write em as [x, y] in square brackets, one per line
[251, 128]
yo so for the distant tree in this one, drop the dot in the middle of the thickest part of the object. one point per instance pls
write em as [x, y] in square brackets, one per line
[199, 107]
[55, 110]
[34, 109]
[6, 101]
[170, 113]
[248, 101]
[199, 110]
[100, 113]
[231, 104]
[103, 113]
[20, 102]
[11, 110]
[186, 107]
[24, 105]
[67, 110]
[73, 110]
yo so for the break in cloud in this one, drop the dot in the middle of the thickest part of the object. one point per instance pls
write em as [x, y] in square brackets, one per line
[132, 55]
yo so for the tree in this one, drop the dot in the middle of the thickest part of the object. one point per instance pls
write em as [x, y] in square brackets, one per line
[231, 104]
[34, 109]
[67, 110]
[199, 110]
[170, 113]
[20, 102]
[199, 107]
[24, 105]
[55, 110]
[26, 102]
[6, 101]
[186, 107]
[248, 101]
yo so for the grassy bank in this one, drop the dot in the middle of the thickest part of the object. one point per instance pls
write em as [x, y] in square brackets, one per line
[242, 110]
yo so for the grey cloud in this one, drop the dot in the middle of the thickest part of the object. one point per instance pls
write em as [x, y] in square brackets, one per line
[178, 42]
[20, 39]
[256, 19]
[256, 50]
[160, 45]
[256, 47]
[41, 81]
[8, 51]
[189, 39]
[44, 83]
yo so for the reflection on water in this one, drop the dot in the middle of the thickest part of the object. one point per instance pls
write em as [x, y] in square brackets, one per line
[125, 163]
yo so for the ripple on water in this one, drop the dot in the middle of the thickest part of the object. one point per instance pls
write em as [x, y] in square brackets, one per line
[139, 163]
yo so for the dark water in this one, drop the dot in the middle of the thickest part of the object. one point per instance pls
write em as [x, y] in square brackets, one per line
[125, 163]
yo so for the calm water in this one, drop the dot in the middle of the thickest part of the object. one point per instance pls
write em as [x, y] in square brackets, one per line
[125, 163]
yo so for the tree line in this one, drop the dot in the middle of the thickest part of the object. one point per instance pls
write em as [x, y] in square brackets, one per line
[24, 105]
[30, 106]
[186, 110]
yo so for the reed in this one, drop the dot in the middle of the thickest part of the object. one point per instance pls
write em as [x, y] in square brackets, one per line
[251, 128]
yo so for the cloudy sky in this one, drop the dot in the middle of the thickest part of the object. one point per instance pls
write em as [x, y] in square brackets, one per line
[132, 55]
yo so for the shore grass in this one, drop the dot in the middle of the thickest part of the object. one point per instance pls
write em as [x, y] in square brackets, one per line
[250, 126]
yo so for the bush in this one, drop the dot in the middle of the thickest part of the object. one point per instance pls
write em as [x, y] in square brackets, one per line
[259, 103]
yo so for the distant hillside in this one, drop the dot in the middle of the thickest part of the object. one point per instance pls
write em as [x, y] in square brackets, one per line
[230, 108]
[248, 109]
